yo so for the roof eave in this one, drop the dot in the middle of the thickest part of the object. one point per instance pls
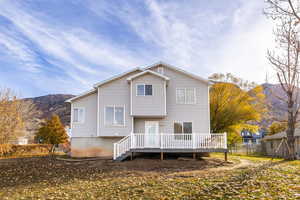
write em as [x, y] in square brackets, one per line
[180, 70]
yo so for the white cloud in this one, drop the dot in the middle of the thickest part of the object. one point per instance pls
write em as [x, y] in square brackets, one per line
[203, 41]
[196, 36]
[77, 52]
[19, 51]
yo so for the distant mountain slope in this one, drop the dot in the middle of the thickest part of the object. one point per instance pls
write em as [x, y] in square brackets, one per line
[53, 104]
[274, 95]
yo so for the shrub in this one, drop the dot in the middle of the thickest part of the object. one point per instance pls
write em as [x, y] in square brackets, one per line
[5, 149]
[21, 150]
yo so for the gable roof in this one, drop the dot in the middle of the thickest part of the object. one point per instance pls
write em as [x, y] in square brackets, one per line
[143, 71]
[148, 72]
[82, 95]
[179, 70]
[117, 77]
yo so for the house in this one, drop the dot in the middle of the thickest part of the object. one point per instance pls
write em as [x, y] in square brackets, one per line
[159, 108]
[275, 145]
[252, 138]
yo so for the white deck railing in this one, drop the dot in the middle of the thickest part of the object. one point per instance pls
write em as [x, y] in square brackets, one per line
[170, 141]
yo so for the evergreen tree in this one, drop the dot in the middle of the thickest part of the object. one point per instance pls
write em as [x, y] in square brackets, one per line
[52, 132]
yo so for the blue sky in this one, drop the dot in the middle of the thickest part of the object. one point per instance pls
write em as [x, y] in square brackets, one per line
[66, 46]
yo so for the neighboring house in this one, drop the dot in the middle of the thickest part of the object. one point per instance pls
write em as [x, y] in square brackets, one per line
[159, 108]
[20, 141]
[252, 138]
[275, 145]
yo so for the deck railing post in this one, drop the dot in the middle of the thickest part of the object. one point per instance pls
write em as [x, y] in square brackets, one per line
[194, 140]
[131, 140]
[115, 156]
[161, 141]
[225, 140]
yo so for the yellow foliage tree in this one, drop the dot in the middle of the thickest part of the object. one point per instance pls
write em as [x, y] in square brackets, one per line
[233, 109]
[52, 132]
[15, 115]
[11, 120]
[277, 127]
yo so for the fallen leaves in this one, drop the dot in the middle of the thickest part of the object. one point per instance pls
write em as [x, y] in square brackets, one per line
[47, 178]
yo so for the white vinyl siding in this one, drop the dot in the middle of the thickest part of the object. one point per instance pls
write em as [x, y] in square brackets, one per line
[115, 115]
[78, 115]
[186, 95]
[160, 70]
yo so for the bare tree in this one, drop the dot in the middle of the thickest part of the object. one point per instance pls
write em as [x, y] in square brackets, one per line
[285, 61]
[287, 8]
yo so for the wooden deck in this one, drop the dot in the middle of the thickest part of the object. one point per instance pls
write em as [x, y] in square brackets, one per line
[170, 143]
[158, 150]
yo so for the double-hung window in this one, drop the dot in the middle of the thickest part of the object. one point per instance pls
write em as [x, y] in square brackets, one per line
[181, 128]
[78, 115]
[115, 115]
[186, 95]
[143, 90]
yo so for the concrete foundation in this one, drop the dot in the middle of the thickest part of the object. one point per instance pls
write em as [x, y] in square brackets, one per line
[93, 146]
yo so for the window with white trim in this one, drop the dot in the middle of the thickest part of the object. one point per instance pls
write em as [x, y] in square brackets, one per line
[143, 90]
[181, 128]
[115, 115]
[78, 115]
[186, 95]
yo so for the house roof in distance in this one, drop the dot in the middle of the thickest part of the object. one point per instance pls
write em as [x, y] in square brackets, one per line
[281, 135]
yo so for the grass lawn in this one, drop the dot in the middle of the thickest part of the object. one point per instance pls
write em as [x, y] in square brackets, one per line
[242, 178]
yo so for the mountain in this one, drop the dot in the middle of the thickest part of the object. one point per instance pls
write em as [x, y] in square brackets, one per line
[274, 95]
[53, 104]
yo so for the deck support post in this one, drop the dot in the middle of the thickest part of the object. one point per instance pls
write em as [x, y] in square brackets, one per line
[161, 155]
[194, 156]
[225, 154]
[131, 156]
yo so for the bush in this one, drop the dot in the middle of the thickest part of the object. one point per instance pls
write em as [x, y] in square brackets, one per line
[5, 149]
[21, 150]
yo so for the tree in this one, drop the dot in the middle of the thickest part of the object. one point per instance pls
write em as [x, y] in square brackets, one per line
[233, 109]
[52, 132]
[11, 121]
[276, 127]
[15, 115]
[284, 8]
[285, 61]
